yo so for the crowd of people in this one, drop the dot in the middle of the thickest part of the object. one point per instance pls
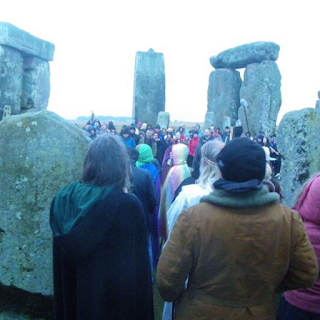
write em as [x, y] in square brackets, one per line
[198, 213]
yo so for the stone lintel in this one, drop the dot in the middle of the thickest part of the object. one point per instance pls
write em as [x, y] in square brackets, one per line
[25, 42]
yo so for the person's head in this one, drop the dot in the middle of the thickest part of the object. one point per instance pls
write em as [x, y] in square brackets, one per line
[149, 126]
[125, 132]
[265, 141]
[212, 129]
[164, 130]
[155, 136]
[133, 154]
[307, 202]
[106, 162]
[209, 169]
[132, 130]
[179, 153]
[145, 153]
[242, 160]
[197, 127]
[157, 129]
[181, 129]
[207, 133]
[248, 134]
[260, 138]
[227, 129]
[141, 134]
[191, 134]
[195, 134]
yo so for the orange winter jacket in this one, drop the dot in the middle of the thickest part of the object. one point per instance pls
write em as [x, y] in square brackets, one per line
[236, 252]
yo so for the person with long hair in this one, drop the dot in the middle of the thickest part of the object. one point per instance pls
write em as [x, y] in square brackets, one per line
[190, 194]
[101, 264]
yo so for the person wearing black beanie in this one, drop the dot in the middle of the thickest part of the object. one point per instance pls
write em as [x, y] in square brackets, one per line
[237, 247]
[242, 163]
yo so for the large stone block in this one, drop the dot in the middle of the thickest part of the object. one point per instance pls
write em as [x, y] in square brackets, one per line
[241, 56]
[35, 85]
[298, 142]
[149, 87]
[209, 119]
[11, 71]
[25, 42]
[261, 90]
[40, 153]
[163, 119]
[224, 95]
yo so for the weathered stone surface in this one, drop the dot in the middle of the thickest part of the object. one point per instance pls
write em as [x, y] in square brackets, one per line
[241, 56]
[318, 102]
[35, 85]
[224, 95]
[298, 142]
[40, 153]
[209, 119]
[226, 122]
[163, 119]
[11, 70]
[25, 42]
[261, 90]
[149, 87]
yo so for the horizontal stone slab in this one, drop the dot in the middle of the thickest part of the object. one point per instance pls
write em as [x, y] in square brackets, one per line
[25, 42]
[239, 57]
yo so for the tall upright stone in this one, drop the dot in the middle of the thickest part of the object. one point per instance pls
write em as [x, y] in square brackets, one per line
[149, 87]
[223, 95]
[24, 70]
[163, 119]
[40, 153]
[261, 90]
[298, 142]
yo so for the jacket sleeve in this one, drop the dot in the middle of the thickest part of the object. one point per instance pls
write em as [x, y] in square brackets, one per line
[177, 259]
[303, 266]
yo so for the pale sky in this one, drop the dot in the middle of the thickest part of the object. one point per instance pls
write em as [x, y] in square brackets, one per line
[96, 44]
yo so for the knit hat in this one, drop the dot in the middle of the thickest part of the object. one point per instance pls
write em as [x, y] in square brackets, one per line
[242, 160]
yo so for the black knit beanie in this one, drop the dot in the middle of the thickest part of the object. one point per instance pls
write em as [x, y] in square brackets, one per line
[242, 160]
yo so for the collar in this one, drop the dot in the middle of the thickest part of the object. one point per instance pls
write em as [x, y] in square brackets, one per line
[250, 199]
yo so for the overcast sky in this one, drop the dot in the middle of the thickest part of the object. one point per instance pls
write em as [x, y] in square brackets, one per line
[96, 44]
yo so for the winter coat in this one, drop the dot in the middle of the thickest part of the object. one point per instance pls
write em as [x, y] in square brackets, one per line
[308, 207]
[236, 251]
[100, 255]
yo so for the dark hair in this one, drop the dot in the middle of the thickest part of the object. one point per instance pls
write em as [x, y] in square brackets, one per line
[107, 162]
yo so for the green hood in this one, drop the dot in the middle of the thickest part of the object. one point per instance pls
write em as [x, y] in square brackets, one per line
[72, 203]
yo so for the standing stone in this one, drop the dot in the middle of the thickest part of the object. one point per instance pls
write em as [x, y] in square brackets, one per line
[24, 70]
[149, 87]
[223, 95]
[35, 84]
[239, 57]
[209, 119]
[40, 153]
[318, 102]
[226, 122]
[298, 142]
[11, 71]
[261, 90]
[163, 119]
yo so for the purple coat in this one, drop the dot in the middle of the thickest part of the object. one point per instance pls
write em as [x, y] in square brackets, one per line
[308, 206]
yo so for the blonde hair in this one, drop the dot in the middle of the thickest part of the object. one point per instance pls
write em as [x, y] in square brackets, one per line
[209, 169]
